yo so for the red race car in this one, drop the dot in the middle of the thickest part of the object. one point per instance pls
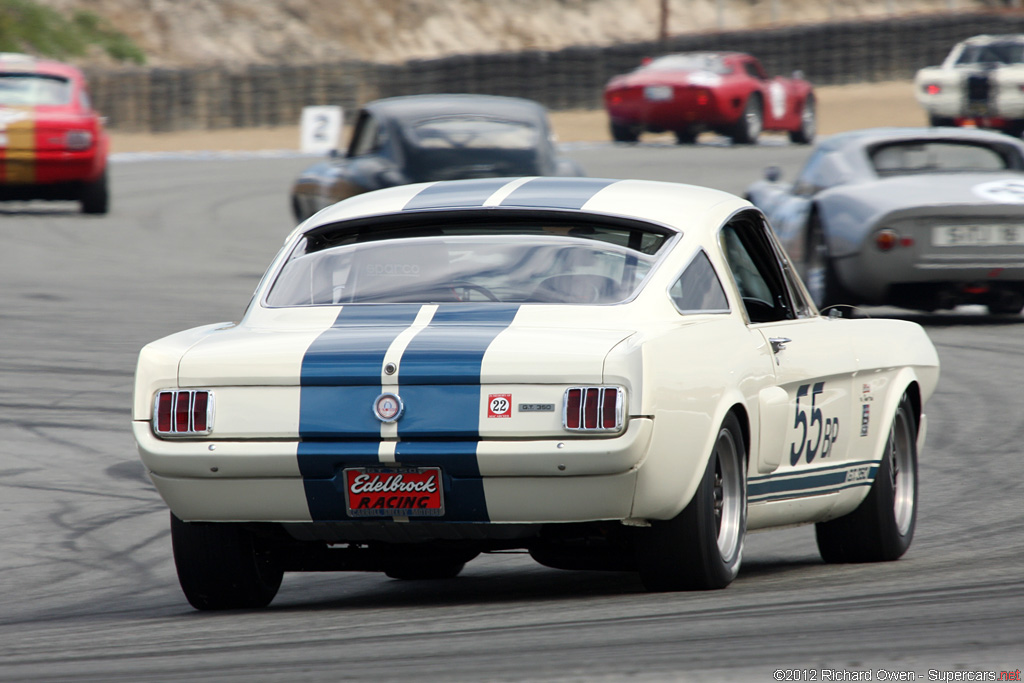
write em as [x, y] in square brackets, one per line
[52, 143]
[725, 92]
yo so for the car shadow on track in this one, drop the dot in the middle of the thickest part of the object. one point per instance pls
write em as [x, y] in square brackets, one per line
[494, 586]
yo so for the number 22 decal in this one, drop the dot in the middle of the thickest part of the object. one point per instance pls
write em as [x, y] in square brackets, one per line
[828, 428]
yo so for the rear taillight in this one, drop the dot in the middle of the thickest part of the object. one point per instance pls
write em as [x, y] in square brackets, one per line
[593, 409]
[186, 412]
[78, 139]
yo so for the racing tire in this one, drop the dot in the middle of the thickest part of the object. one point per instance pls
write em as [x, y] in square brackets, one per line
[222, 566]
[1006, 303]
[819, 274]
[95, 196]
[624, 133]
[297, 211]
[882, 527]
[701, 548]
[750, 124]
[804, 135]
[686, 136]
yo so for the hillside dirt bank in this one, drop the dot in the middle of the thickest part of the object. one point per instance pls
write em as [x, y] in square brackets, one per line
[840, 108]
[176, 33]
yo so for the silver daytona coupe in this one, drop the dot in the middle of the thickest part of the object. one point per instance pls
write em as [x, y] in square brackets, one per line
[923, 218]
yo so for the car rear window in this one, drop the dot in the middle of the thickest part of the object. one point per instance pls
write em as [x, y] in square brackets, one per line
[689, 62]
[917, 156]
[519, 262]
[474, 132]
[33, 90]
[993, 53]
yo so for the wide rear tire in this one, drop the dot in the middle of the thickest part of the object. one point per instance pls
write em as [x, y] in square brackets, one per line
[702, 547]
[808, 123]
[748, 128]
[622, 132]
[819, 275]
[882, 527]
[223, 566]
[95, 196]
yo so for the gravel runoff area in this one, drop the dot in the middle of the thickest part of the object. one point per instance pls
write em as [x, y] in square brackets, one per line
[840, 108]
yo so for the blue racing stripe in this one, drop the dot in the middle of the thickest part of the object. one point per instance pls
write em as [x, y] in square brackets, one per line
[340, 380]
[556, 193]
[461, 194]
[439, 375]
[352, 350]
[341, 371]
[322, 464]
[812, 483]
[464, 499]
[450, 350]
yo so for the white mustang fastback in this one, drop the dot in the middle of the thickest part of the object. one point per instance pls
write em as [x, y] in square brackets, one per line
[610, 374]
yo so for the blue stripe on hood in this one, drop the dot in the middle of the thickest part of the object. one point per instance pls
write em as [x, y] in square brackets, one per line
[556, 193]
[463, 194]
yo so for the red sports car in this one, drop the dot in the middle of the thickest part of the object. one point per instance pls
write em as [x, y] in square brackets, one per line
[725, 92]
[52, 143]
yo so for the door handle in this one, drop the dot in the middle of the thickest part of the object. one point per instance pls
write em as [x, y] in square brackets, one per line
[778, 343]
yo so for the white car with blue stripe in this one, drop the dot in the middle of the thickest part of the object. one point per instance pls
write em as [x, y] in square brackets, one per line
[610, 374]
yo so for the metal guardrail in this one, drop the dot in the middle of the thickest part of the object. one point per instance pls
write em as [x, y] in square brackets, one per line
[834, 53]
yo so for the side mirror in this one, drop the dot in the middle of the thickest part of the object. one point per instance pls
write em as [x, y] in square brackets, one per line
[772, 174]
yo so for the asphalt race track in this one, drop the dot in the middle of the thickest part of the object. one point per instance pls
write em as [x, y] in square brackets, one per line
[87, 584]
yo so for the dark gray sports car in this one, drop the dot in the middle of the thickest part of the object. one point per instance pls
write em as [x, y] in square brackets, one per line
[423, 138]
[924, 218]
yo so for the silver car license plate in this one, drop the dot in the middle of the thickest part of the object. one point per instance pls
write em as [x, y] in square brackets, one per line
[977, 235]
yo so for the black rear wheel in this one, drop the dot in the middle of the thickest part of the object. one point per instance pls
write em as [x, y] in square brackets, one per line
[702, 547]
[808, 123]
[818, 271]
[223, 565]
[882, 526]
[686, 136]
[749, 126]
[95, 196]
[622, 132]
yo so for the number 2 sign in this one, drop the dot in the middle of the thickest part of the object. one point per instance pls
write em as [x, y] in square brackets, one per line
[320, 129]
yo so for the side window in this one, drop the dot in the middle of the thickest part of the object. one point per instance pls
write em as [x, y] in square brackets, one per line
[754, 70]
[698, 288]
[366, 137]
[756, 270]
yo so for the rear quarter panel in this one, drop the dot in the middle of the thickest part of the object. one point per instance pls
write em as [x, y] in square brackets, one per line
[694, 373]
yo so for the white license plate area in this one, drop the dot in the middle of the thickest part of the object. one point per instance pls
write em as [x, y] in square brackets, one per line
[977, 235]
[658, 93]
[394, 492]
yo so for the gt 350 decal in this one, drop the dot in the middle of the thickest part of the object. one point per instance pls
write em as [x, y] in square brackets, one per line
[827, 427]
